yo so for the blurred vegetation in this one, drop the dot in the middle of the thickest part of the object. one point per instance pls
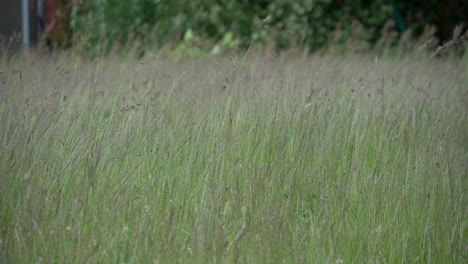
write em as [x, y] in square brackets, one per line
[218, 25]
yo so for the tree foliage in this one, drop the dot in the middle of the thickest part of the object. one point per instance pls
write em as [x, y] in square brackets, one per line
[313, 24]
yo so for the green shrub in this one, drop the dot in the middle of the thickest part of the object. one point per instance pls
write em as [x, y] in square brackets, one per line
[313, 24]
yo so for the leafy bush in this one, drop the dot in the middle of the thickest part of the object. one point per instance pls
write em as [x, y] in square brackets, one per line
[314, 24]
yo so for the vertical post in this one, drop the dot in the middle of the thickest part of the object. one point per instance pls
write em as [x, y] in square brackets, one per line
[25, 23]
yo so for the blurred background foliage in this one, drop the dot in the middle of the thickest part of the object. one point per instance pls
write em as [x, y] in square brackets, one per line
[219, 25]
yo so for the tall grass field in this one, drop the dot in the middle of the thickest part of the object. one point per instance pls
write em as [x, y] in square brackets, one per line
[280, 159]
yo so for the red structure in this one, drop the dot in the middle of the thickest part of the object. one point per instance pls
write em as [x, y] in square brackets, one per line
[52, 18]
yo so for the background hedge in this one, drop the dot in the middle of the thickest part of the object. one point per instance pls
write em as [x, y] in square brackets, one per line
[314, 24]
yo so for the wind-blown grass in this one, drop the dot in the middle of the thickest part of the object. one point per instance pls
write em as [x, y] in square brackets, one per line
[304, 160]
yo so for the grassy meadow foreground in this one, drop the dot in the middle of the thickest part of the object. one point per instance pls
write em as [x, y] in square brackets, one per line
[283, 160]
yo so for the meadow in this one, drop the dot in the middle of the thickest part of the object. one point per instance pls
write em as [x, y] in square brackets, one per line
[287, 158]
